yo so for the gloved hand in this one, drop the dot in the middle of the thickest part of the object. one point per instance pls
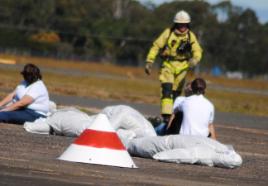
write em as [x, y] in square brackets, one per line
[192, 62]
[148, 68]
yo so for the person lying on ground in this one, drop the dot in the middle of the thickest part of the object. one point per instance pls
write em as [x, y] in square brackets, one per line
[198, 112]
[185, 149]
[29, 101]
[126, 121]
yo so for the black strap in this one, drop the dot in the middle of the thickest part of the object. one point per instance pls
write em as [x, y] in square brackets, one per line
[189, 37]
[51, 131]
[171, 30]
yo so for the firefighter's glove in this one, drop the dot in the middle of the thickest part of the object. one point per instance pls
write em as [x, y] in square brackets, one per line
[148, 68]
[192, 62]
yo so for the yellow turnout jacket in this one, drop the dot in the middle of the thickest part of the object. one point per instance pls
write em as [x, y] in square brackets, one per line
[173, 41]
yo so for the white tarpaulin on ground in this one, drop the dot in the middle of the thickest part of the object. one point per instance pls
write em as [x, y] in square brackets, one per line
[69, 121]
[185, 149]
[127, 122]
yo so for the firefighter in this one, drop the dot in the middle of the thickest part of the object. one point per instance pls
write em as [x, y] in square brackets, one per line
[180, 51]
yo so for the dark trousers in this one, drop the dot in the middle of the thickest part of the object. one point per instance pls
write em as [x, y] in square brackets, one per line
[19, 116]
[176, 124]
[175, 127]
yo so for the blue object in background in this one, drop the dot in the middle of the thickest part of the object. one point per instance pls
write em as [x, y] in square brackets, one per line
[216, 71]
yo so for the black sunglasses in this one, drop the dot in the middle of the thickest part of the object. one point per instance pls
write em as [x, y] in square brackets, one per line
[181, 25]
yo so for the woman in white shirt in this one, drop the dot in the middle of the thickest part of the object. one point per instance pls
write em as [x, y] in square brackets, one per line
[29, 101]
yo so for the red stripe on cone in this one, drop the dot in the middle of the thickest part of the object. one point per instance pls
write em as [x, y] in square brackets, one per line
[100, 139]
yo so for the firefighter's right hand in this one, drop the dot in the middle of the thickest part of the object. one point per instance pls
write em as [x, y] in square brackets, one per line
[148, 68]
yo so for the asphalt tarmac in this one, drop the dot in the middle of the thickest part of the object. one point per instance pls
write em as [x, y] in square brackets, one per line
[31, 159]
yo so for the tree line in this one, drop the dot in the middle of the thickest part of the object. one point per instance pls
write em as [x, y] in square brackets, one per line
[122, 31]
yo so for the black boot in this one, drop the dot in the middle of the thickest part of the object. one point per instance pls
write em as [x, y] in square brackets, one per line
[155, 121]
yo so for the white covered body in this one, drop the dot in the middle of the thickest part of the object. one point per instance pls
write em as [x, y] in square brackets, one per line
[126, 121]
[185, 149]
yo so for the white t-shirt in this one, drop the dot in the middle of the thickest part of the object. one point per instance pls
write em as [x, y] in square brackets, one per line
[198, 113]
[38, 92]
[177, 102]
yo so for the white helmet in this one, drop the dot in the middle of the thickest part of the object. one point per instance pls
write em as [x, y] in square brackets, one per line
[182, 17]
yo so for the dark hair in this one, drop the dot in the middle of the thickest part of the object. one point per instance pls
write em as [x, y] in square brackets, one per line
[198, 86]
[188, 89]
[31, 73]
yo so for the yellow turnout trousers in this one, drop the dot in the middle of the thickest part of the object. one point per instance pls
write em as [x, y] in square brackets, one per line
[172, 77]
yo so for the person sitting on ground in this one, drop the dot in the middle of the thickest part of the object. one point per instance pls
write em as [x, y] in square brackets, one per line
[29, 101]
[197, 111]
[176, 118]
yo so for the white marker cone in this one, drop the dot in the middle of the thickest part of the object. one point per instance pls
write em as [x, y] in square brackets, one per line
[99, 144]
